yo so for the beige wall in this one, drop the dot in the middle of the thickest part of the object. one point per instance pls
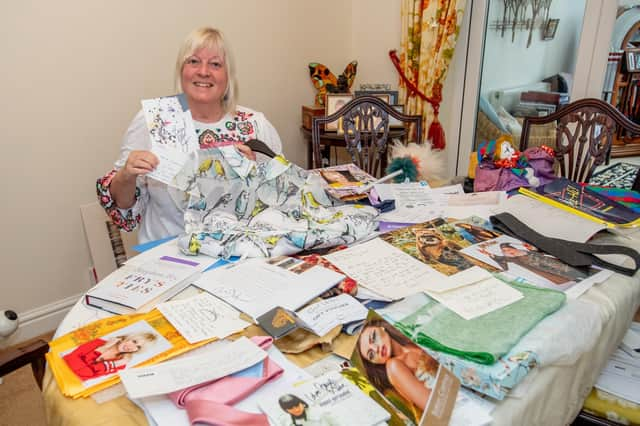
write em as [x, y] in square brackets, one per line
[73, 73]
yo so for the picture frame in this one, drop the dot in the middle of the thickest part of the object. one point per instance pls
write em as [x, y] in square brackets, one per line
[392, 98]
[334, 102]
[394, 122]
[633, 60]
[550, 29]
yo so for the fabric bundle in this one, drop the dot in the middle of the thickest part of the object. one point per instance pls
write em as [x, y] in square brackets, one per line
[237, 207]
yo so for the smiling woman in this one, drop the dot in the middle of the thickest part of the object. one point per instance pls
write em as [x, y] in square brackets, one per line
[206, 75]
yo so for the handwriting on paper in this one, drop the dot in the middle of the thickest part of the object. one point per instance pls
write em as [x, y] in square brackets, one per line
[184, 372]
[321, 317]
[478, 299]
[202, 317]
[388, 271]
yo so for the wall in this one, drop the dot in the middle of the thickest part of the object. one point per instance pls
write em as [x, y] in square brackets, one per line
[508, 64]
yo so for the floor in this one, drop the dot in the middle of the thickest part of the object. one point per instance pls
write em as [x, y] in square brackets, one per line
[21, 402]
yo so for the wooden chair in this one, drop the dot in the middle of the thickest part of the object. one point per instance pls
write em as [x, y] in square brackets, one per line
[365, 121]
[30, 352]
[584, 135]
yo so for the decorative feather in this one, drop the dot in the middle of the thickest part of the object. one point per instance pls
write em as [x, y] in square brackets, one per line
[408, 168]
[430, 163]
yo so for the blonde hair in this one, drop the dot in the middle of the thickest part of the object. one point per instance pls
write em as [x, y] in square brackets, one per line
[143, 336]
[210, 38]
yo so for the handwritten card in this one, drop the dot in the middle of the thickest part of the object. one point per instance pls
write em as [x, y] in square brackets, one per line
[188, 371]
[202, 317]
[321, 317]
[478, 299]
[389, 271]
[172, 136]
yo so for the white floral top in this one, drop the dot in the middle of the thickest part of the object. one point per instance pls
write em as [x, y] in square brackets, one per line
[155, 211]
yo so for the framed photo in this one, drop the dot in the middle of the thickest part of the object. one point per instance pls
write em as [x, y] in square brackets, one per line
[334, 102]
[549, 31]
[394, 122]
[390, 96]
[633, 61]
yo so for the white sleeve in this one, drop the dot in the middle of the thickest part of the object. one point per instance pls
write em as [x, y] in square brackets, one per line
[135, 139]
[267, 133]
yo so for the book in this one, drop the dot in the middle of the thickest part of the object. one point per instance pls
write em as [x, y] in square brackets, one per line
[139, 287]
[575, 198]
[343, 181]
[90, 358]
[414, 382]
[329, 399]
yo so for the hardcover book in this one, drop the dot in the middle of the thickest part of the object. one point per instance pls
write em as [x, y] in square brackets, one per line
[139, 287]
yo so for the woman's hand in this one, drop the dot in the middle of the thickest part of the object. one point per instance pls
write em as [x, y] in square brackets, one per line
[139, 163]
[246, 151]
[123, 185]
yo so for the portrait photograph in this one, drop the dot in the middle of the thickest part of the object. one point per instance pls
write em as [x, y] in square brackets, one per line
[334, 103]
[97, 360]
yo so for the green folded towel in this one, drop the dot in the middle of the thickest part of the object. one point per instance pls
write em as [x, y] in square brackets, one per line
[486, 338]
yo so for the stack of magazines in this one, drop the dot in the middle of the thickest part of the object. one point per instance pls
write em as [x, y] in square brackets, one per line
[89, 359]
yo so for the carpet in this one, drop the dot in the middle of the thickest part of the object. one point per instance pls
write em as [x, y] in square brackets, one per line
[620, 175]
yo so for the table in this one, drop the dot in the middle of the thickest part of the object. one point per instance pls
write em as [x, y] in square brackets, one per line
[550, 395]
[332, 139]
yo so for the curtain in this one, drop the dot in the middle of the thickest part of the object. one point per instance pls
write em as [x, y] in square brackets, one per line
[429, 32]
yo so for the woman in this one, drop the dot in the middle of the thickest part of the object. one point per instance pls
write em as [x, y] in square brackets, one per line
[392, 361]
[300, 414]
[548, 267]
[205, 72]
[99, 357]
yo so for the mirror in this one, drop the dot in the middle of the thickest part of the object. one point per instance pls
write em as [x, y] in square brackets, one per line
[529, 59]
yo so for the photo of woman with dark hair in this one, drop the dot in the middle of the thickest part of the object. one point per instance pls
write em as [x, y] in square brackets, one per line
[299, 413]
[392, 361]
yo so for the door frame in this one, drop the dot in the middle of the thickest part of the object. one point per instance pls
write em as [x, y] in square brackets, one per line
[588, 78]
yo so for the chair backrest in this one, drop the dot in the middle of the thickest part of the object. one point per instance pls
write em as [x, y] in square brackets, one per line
[108, 246]
[365, 123]
[584, 135]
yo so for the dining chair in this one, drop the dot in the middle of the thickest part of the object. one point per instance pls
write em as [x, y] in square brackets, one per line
[30, 352]
[584, 134]
[365, 125]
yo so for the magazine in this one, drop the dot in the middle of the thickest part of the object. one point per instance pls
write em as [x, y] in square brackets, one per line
[411, 380]
[436, 243]
[89, 359]
[326, 400]
[578, 199]
[343, 181]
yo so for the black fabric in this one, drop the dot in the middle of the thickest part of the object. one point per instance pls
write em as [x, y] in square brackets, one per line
[579, 255]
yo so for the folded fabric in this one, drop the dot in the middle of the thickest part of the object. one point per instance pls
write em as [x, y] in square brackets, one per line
[486, 338]
[212, 402]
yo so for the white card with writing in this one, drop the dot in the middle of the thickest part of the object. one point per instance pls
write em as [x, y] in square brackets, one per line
[172, 134]
[389, 271]
[477, 299]
[322, 316]
[173, 375]
[202, 317]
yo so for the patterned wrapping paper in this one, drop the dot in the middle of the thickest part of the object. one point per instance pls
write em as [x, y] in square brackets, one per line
[236, 207]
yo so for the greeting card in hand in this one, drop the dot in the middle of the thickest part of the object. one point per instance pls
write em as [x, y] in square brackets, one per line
[413, 381]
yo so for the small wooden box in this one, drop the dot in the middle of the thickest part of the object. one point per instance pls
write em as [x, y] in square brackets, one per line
[310, 111]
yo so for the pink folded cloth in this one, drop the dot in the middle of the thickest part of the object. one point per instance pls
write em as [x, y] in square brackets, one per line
[212, 402]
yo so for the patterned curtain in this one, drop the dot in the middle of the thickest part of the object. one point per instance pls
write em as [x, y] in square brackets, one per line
[429, 32]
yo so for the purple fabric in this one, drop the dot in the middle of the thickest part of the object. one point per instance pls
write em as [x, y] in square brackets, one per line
[492, 178]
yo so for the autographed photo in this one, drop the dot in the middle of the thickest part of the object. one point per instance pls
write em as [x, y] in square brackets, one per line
[98, 359]
[521, 260]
